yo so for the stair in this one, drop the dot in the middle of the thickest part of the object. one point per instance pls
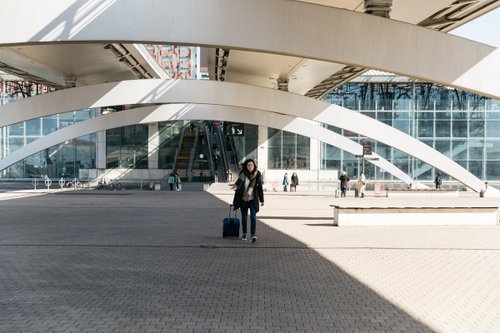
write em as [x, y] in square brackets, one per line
[182, 160]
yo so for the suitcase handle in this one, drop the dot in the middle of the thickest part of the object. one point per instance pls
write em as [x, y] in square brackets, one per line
[235, 212]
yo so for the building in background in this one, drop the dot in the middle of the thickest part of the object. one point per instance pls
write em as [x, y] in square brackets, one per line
[180, 62]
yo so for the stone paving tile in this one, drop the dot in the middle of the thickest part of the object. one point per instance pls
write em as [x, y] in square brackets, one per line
[155, 262]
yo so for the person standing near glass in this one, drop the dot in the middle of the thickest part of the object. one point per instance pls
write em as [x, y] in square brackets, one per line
[285, 182]
[294, 182]
[344, 183]
[361, 185]
[247, 197]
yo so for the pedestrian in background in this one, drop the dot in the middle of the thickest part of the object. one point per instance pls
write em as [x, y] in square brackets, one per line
[361, 185]
[294, 182]
[171, 181]
[438, 181]
[285, 182]
[344, 183]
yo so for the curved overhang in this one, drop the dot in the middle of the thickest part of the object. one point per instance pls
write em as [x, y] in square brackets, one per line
[173, 112]
[285, 27]
[231, 94]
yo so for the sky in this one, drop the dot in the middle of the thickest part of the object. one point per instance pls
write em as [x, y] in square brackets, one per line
[485, 29]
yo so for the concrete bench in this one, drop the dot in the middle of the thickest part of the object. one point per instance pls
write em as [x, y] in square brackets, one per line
[421, 192]
[417, 215]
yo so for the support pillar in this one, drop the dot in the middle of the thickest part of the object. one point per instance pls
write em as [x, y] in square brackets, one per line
[153, 145]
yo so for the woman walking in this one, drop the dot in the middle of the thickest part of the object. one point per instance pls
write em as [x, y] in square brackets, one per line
[248, 194]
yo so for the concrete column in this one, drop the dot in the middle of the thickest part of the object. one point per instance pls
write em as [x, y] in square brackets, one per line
[262, 148]
[153, 144]
[315, 159]
[100, 150]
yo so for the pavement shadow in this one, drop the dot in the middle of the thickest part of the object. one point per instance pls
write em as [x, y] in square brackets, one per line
[156, 262]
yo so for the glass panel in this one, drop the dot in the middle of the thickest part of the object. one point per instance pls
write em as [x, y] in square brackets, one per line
[492, 115]
[427, 142]
[403, 125]
[303, 152]
[492, 150]
[288, 156]
[385, 117]
[170, 135]
[493, 170]
[86, 152]
[251, 141]
[350, 134]
[443, 115]
[371, 114]
[443, 128]
[459, 128]
[425, 128]
[15, 144]
[459, 124]
[16, 129]
[49, 124]
[274, 148]
[403, 164]
[476, 128]
[476, 168]
[85, 114]
[459, 151]
[66, 119]
[443, 146]
[330, 157]
[127, 147]
[33, 127]
[493, 129]
[424, 171]
[383, 150]
[476, 149]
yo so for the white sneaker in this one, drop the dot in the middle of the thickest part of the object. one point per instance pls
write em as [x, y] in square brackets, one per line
[254, 239]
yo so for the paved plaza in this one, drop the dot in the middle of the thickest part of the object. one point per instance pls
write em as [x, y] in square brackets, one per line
[141, 261]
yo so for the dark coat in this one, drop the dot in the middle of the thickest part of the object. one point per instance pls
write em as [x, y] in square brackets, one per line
[344, 181]
[258, 193]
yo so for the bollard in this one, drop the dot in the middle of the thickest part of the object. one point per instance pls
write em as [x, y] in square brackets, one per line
[35, 182]
[61, 182]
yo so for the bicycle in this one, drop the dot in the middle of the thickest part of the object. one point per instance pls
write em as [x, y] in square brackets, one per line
[102, 185]
[74, 184]
[114, 185]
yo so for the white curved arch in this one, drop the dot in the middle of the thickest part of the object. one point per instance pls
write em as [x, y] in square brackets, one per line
[283, 27]
[231, 94]
[172, 112]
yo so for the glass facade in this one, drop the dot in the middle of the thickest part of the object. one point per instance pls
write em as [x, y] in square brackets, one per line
[287, 150]
[127, 147]
[462, 126]
[64, 160]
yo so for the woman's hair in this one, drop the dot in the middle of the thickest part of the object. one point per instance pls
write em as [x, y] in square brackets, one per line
[244, 168]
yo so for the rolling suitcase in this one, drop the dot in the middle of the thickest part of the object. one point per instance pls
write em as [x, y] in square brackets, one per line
[231, 225]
